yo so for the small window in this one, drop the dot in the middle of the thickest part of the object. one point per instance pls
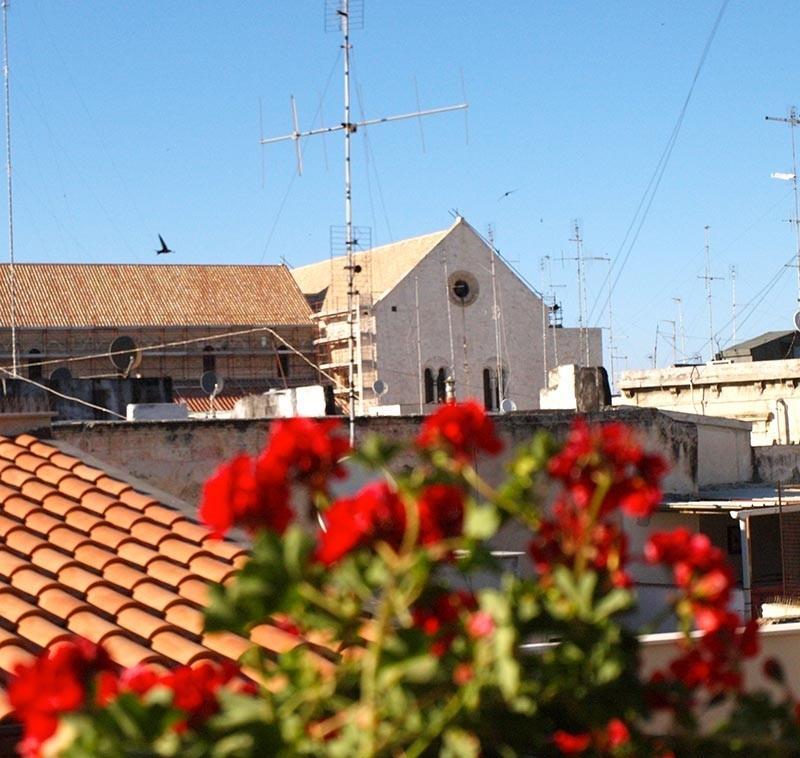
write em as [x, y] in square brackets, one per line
[394, 309]
[441, 386]
[34, 364]
[209, 359]
[283, 363]
[429, 392]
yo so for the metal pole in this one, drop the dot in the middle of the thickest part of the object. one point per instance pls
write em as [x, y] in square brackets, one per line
[796, 219]
[496, 313]
[348, 221]
[419, 347]
[11, 270]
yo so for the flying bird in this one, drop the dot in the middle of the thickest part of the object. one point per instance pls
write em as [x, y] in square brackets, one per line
[506, 194]
[164, 248]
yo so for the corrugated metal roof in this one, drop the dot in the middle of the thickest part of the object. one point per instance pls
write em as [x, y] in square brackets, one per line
[114, 295]
[381, 269]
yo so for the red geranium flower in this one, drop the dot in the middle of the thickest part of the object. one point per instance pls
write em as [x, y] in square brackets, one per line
[441, 513]
[373, 515]
[238, 495]
[461, 429]
[439, 615]
[56, 682]
[568, 743]
[194, 689]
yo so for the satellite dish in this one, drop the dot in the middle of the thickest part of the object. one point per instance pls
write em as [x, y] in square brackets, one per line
[124, 354]
[797, 320]
[379, 387]
[507, 405]
[211, 383]
[60, 374]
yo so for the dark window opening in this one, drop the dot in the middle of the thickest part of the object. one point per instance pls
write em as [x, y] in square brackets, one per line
[34, 364]
[394, 309]
[488, 395]
[441, 386]
[493, 391]
[283, 363]
[461, 289]
[209, 359]
[429, 393]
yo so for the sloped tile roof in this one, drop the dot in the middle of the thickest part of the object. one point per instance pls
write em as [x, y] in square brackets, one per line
[82, 552]
[381, 269]
[124, 295]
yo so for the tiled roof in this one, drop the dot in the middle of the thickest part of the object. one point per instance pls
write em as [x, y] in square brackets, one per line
[82, 552]
[381, 269]
[198, 402]
[109, 295]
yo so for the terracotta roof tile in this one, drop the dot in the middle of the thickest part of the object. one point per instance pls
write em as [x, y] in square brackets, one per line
[9, 563]
[162, 514]
[29, 462]
[137, 499]
[108, 599]
[148, 531]
[190, 531]
[125, 295]
[89, 473]
[12, 655]
[19, 507]
[74, 487]
[112, 486]
[38, 447]
[91, 625]
[67, 537]
[141, 622]
[82, 552]
[14, 476]
[37, 490]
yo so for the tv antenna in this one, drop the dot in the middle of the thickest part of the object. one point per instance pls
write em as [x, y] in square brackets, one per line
[344, 16]
[580, 258]
[792, 121]
[12, 281]
[708, 279]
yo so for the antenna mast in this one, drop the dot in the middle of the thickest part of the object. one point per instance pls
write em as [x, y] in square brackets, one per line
[347, 15]
[496, 314]
[708, 279]
[793, 121]
[733, 300]
[679, 304]
[12, 281]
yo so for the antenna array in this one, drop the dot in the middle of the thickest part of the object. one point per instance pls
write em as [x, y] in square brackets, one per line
[345, 16]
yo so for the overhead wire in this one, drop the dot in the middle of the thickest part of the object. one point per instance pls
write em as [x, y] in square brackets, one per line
[649, 194]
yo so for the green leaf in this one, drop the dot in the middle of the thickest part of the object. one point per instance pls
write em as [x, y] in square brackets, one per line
[614, 602]
[459, 743]
[480, 521]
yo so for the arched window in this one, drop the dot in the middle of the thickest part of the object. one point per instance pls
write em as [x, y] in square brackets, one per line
[493, 391]
[441, 386]
[429, 396]
[209, 359]
[34, 364]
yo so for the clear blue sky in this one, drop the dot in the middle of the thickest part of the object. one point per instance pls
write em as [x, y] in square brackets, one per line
[137, 118]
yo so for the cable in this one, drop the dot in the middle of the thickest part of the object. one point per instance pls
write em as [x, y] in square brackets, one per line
[177, 343]
[655, 180]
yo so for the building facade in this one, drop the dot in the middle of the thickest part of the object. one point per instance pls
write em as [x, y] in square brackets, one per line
[249, 324]
[437, 306]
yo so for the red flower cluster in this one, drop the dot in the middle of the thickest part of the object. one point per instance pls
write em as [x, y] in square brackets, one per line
[461, 429]
[78, 675]
[61, 680]
[611, 451]
[440, 616]
[605, 740]
[571, 532]
[713, 661]
[699, 569]
[377, 513]
[255, 493]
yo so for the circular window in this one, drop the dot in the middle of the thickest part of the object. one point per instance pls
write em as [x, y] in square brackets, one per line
[463, 288]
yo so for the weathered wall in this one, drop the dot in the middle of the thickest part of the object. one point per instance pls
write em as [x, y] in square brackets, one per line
[474, 341]
[765, 393]
[178, 456]
[776, 463]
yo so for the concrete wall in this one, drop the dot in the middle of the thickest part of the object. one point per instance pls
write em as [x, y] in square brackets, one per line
[765, 393]
[177, 456]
